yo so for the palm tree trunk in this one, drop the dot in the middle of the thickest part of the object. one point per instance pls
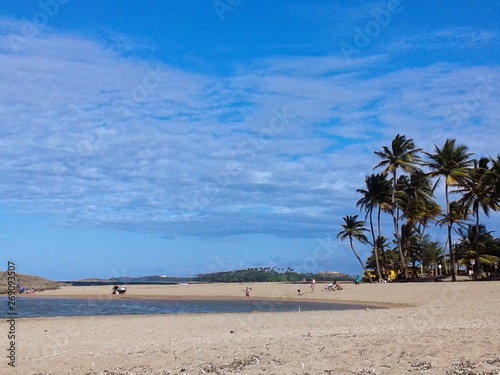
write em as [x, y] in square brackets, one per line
[421, 229]
[375, 249]
[384, 257]
[359, 259]
[476, 241]
[445, 262]
[450, 245]
[395, 221]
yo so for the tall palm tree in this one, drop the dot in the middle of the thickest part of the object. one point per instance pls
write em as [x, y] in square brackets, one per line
[401, 155]
[353, 229]
[451, 162]
[375, 195]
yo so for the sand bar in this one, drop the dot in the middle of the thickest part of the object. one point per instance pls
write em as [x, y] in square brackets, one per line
[431, 328]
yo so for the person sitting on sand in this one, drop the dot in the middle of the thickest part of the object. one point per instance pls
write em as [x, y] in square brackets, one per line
[328, 287]
[299, 292]
[119, 289]
[336, 286]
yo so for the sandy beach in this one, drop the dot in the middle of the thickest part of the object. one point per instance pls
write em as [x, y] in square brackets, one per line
[427, 328]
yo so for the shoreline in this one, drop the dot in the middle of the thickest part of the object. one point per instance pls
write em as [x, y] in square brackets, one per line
[367, 304]
[266, 291]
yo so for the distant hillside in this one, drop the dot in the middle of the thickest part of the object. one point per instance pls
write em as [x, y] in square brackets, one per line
[149, 279]
[93, 280]
[132, 280]
[28, 281]
[332, 275]
[268, 274]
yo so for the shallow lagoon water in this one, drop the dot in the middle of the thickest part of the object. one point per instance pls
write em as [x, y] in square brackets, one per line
[33, 307]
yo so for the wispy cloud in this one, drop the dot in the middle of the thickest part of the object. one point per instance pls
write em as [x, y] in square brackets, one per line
[448, 39]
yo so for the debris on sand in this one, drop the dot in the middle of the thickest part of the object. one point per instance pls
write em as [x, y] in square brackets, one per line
[421, 366]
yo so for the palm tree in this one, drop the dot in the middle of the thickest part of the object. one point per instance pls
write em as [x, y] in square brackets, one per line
[382, 244]
[417, 202]
[402, 154]
[375, 195]
[478, 244]
[478, 191]
[353, 229]
[410, 244]
[494, 174]
[432, 253]
[451, 162]
[457, 215]
[417, 205]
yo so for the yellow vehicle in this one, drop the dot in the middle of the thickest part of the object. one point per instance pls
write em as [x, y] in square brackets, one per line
[372, 274]
[391, 274]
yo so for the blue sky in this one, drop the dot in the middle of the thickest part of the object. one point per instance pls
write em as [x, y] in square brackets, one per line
[180, 137]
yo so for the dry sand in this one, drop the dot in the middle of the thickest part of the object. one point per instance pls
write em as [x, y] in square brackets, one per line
[429, 328]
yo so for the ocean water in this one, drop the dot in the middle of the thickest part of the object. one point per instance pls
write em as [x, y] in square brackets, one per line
[32, 307]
